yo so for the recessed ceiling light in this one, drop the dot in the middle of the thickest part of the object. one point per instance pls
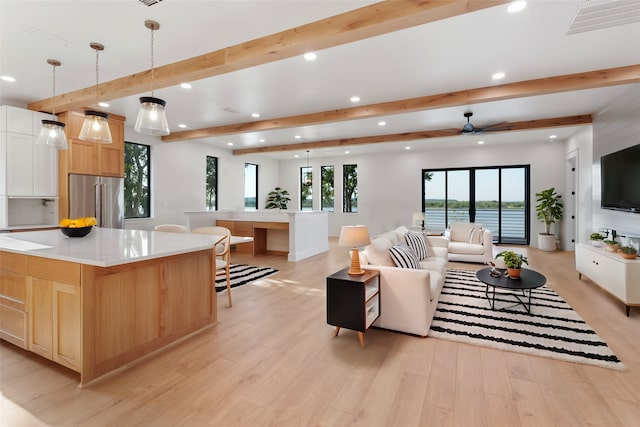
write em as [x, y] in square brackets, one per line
[103, 104]
[516, 6]
[255, 115]
[182, 125]
[185, 85]
[297, 137]
[480, 142]
[261, 140]
[296, 155]
[347, 152]
[553, 136]
[8, 79]
[382, 123]
[407, 148]
[310, 56]
[229, 144]
[355, 99]
[498, 76]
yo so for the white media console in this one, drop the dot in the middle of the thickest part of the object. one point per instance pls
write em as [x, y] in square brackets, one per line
[618, 276]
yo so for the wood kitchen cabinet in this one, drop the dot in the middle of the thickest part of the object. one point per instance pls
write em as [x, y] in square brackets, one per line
[13, 300]
[88, 158]
[54, 315]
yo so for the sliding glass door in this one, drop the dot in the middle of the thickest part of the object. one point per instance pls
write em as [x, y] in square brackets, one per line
[497, 197]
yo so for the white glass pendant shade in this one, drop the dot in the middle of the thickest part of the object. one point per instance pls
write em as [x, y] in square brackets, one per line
[52, 134]
[152, 119]
[95, 127]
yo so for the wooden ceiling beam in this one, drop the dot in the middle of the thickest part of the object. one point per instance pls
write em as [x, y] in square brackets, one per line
[412, 136]
[358, 24]
[566, 83]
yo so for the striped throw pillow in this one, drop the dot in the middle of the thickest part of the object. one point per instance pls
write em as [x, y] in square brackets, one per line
[404, 257]
[416, 241]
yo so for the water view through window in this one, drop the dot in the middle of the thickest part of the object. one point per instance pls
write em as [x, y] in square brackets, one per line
[496, 197]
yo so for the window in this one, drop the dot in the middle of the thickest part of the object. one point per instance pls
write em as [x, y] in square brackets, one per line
[327, 191]
[212, 184]
[306, 188]
[250, 186]
[350, 188]
[137, 174]
[496, 197]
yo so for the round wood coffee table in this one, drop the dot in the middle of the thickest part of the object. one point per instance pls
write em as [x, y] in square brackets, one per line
[528, 280]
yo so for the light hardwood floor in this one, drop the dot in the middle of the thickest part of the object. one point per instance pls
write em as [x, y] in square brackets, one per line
[273, 360]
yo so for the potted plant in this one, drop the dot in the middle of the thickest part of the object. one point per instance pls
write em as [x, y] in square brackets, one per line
[277, 199]
[514, 262]
[628, 252]
[549, 210]
[611, 245]
[596, 239]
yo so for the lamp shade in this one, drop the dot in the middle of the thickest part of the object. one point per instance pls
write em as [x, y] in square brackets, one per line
[352, 236]
[419, 219]
[152, 119]
[95, 127]
[52, 134]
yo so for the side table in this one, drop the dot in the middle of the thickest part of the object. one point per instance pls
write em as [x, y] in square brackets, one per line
[353, 302]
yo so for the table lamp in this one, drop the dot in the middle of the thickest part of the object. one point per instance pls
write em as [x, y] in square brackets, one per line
[419, 219]
[352, 236]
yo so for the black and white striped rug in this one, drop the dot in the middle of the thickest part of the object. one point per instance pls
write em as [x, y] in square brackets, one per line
[553, 329]
[241, 274]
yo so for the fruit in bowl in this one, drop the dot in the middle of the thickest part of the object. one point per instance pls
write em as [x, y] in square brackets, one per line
[78, 227]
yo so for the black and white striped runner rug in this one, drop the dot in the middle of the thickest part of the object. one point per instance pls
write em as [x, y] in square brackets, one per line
[241, 274]
[553, 329]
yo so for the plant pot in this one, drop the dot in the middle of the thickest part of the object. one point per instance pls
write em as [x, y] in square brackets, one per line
[546, 242]
[612, 248]
[628, 256]
[514, 273]
[597, 243]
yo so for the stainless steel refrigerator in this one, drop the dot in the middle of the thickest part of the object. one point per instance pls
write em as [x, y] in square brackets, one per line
[99, 196]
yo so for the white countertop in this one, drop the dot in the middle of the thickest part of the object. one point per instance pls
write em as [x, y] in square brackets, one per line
[105, 247]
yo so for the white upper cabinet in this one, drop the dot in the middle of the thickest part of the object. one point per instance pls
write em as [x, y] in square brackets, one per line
[17, 120]
[30, 170]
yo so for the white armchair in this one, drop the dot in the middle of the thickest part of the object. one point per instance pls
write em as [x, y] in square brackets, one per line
[469, 242]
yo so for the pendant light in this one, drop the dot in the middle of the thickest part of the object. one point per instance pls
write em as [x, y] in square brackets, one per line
[152, 119]
[95, 127]
[52, 131]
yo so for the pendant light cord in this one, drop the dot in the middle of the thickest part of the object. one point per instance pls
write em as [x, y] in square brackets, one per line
[97, 77]
[53, 114]
[152, 74]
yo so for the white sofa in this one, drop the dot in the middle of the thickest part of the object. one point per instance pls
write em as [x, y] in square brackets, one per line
[469, 242]
[408, 297]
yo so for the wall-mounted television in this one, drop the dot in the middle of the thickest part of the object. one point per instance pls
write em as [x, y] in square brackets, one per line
[620, 180]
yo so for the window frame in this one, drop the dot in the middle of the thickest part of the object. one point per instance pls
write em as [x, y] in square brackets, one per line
[147, 209]
[308, 171]
[255, 185]
[345, 205]
[215, 190]
[332, 191]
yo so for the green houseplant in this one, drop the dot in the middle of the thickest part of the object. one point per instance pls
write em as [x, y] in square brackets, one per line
[549, 210]
[277, 199]
[514, 262]
[628, 252]
[596, 239]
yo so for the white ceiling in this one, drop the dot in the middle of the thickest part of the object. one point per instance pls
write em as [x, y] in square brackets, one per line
[449, 55]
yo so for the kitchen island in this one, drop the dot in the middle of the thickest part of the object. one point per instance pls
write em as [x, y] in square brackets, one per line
[96, 304]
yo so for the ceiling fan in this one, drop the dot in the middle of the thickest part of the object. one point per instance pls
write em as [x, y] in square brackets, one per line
[469, 128]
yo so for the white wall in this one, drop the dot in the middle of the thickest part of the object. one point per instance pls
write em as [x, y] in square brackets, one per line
[615, 128]
[390, 185]
[178, 181]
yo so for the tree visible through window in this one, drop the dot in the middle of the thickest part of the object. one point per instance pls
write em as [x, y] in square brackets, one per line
[250, 186]
[350, 188]
[306, 188]
[137, 174]
[212, 184]
[327, 191]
